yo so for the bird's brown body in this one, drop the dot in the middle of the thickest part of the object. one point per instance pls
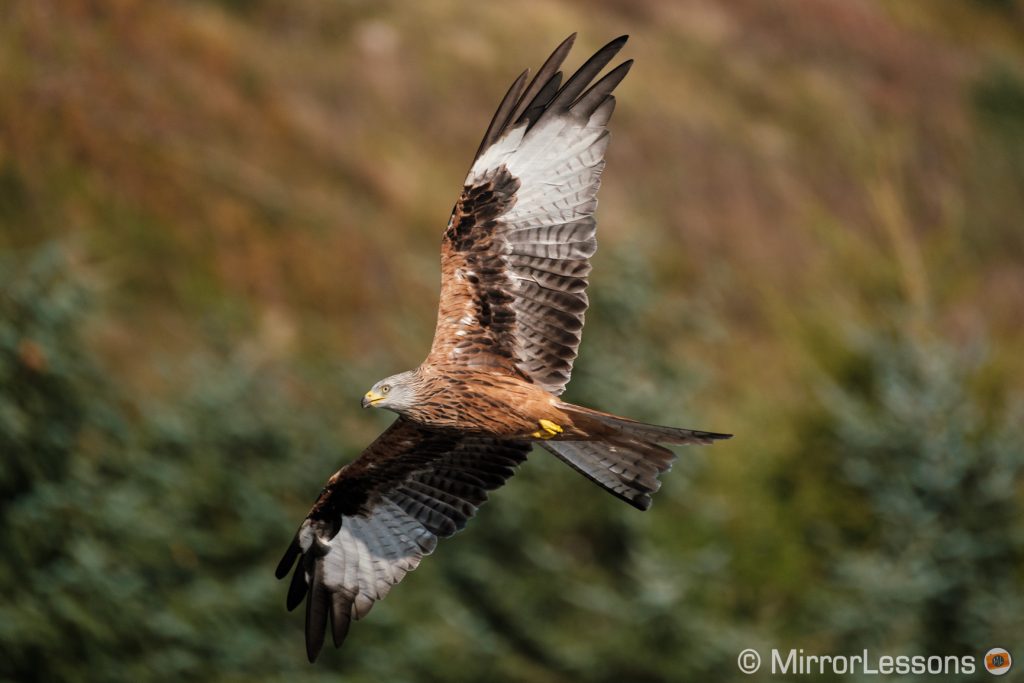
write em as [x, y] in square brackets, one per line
[487, 403]
[515, 258]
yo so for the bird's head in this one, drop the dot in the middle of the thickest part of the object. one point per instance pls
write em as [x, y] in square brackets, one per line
[395, 393]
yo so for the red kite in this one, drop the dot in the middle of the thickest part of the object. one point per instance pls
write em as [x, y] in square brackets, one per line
[514, 261]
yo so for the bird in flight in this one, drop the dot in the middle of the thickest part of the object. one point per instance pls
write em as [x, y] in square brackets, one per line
[515, 257]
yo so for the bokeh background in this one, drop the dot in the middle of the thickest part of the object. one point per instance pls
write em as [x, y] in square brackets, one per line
[219, 225]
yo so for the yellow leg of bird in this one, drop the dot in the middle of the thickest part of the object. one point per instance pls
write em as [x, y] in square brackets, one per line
[548, 429]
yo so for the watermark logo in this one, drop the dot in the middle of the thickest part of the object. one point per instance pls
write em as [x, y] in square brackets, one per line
[998, 661]
[749, 661]
[797, 662]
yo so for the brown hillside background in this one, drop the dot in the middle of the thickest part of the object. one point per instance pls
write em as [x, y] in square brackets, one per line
[220, 224]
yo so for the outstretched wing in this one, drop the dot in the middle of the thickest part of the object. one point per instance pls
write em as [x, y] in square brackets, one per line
[378, 516]
[516, 252]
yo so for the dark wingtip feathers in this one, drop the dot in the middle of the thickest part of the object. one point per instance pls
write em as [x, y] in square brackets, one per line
[536, 93]
[317, 610]
[290, 555]
[505, 111]
[529, 102]
[296, 590]
[341, 618]
[601, 91]
[570, 92]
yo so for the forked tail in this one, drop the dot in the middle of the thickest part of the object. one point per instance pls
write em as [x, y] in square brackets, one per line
[624, 457]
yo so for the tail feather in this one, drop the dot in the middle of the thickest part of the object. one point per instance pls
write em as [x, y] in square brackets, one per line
[624, 457]
[627, 471]
[600, 423]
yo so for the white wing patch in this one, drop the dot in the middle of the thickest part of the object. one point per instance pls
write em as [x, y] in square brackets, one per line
[350, 560]
[371, 554]
[548, 233]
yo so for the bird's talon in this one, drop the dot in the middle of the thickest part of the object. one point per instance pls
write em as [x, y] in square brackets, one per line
[548, 430]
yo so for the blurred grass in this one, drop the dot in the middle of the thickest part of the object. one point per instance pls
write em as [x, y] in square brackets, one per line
[803, 204]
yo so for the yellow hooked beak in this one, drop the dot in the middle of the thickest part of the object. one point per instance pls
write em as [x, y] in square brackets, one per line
[371, 398]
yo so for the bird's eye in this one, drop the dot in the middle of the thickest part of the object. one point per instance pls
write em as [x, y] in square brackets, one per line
[385, 389]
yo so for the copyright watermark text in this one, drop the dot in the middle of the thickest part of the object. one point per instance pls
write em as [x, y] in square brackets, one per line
[795, 661]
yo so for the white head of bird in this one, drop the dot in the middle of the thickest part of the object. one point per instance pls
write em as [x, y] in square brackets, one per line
[394, 393]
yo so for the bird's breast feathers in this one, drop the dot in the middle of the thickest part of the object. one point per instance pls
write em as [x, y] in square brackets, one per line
[489, 403]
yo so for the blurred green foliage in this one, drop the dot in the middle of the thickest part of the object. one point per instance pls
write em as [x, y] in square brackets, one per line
[128, 529]
[921, 546]
[219, 224]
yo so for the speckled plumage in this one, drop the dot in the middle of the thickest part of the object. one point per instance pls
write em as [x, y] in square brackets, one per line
[515, 258]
